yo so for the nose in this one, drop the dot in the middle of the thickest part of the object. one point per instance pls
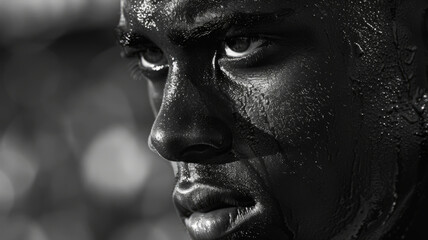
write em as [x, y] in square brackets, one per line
[185, 129]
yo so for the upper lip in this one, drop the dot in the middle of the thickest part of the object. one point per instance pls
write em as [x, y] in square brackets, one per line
[206, 198]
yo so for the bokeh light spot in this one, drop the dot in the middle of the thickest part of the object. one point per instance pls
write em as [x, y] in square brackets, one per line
[7, 194]
[115, 164]
[18, 162]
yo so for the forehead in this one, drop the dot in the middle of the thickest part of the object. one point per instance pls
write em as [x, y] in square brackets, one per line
[192, 8]
[152, 13]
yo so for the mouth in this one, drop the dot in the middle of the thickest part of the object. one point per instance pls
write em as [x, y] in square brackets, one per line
[211, 213]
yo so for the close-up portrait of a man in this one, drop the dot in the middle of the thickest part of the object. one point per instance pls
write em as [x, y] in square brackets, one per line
[288, 119]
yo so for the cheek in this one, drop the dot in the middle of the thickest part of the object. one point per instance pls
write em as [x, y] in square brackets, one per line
[291, 102]
[300, 117]
[301, 109]
[295, 109]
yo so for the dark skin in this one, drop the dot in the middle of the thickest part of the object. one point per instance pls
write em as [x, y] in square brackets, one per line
[311, 112]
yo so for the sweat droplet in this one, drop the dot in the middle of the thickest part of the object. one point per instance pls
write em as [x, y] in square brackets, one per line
[359, 52]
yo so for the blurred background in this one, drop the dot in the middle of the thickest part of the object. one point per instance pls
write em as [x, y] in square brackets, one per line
[74, 162]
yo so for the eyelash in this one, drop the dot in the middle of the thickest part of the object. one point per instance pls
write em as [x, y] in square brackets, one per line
[138, 73]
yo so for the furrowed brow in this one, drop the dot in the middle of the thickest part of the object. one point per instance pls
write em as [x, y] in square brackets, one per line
[183, 36]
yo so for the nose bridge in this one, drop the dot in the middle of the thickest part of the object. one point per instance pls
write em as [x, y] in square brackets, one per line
[184, 129]
[182, 101]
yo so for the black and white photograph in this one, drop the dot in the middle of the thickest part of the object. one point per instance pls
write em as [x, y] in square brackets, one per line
[213, 119]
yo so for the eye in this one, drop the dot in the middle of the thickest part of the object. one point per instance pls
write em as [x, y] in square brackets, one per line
[242, 46]
[152, 59]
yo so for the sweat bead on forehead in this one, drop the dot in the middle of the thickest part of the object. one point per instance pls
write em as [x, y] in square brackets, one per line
[286, 119]
[153, 15]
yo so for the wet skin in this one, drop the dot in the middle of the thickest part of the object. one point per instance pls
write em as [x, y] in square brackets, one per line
[284, 119]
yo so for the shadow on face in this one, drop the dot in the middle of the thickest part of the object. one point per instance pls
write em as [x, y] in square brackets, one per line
[304, 118]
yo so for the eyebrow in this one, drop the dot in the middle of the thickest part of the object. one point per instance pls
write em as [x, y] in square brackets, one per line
[185, 37]
[182, 35]
[129, 38]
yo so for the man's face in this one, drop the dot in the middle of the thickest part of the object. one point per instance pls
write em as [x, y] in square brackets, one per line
[281, 118]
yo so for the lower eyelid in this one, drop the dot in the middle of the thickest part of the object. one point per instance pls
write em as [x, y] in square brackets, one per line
[148, 73]
[255, 52]
[258, 58]
[153, 67]
[231, 52]
[146, 65]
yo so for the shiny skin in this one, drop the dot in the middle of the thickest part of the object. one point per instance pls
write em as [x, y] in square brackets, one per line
[323, 126]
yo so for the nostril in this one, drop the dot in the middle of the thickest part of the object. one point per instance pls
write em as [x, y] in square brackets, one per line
[197, 141]
[198, 149]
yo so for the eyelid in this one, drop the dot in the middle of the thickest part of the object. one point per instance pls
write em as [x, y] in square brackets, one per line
[138, 54]
[130, 52]
[254, 45]
[266, 41]
[145, 69]
[146, 65]
[260, 57]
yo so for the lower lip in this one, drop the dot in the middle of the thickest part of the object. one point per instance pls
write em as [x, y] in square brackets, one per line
[217, 223]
